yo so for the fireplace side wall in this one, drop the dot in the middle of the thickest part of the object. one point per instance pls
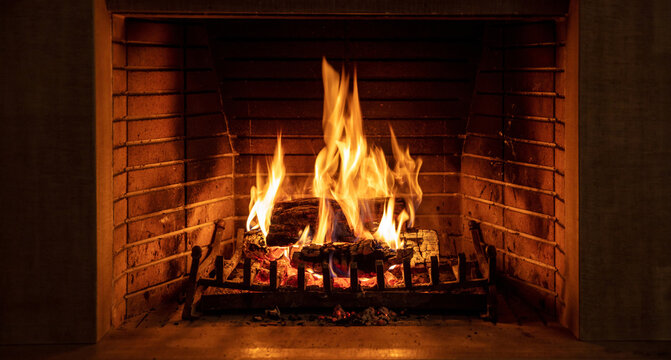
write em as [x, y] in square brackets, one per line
[173, 165]
[512, 161]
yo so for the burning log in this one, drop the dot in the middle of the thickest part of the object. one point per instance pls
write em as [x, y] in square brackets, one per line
[290, 217]
[364, 252]
[254, 244]
[419, 246]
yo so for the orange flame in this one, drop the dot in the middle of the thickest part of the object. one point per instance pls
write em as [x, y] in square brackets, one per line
[387, 231]
[347, 170]
[353, 173]
[263, 195]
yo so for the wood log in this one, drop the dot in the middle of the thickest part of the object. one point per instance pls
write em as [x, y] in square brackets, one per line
[254, 244]
[424, 243]
[364, 252]
[290, 217]
[419, 246]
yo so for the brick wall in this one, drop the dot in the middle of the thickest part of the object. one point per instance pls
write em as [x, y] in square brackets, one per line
[481, 104]
[173, 164]
[512, 164]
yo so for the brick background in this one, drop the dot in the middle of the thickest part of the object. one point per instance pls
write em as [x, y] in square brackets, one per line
[492, 144]
[172, 158]
[512, 153]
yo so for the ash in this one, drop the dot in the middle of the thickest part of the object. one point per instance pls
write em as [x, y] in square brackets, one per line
[371, 316]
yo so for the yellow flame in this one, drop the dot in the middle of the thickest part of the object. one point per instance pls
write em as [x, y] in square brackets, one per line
[304, 239]
[263, 195]
[388, 230]
[347, 170]
[324, 225]
[353, 173]
[406, 173]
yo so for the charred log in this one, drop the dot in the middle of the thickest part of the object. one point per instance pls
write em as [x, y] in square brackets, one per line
[364, 252]
[289, 218]
[419, 246]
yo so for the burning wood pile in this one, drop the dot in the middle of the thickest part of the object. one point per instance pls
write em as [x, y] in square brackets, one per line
[353, 229]
[358, 207]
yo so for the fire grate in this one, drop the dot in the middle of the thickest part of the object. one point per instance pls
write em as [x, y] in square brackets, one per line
[472, 289]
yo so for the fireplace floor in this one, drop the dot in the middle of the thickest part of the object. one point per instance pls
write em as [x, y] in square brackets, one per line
[520, 333]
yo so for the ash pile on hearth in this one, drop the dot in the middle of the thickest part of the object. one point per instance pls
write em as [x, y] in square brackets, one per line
[370, 316]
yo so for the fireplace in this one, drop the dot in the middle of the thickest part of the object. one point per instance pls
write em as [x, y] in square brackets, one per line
[198, 103]
[187, 98]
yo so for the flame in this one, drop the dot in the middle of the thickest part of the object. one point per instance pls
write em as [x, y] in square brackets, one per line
[304, 239]
[406, 173]
[354, 173]
[263, 195]
[347, 170]
[388, 230]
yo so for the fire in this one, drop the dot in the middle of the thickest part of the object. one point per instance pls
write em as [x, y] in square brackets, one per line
[262, 196]
[349, 171]
[354, 173]
[386, 230]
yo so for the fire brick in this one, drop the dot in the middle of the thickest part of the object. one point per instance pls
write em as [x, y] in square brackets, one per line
[154, 56]
[154, 32]
[200, 148]
[529, 224]
[529, 106]
[154, 177]
[210, 212]
[155, 274]
[529, 200]
[155, 250]
[529, 176]
[529, 153]
[209, 190]
[155, 225]
[530, 129]
[531, 273]
[146, 81]
[154, 104]
[529, 81]
[204, 169]
[529, 248]
[155, 128]
[155, 153]
[481, 189]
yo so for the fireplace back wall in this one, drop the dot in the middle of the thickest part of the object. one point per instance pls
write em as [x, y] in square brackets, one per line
[475, 100]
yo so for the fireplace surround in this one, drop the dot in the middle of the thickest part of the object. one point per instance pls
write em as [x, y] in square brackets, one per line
[494, 162]
[481, 102]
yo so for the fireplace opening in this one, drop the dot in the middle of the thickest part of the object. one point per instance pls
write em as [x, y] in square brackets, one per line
[198, 103]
